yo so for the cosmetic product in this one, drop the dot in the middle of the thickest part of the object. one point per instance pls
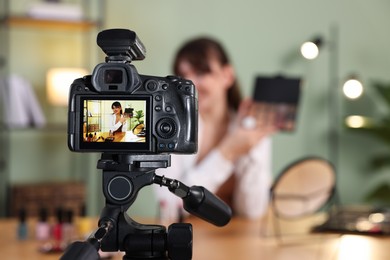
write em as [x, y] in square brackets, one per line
[68, 230]
[57, 231]
[22, 230]
[42, 229]
[84, 225]
[169, 213]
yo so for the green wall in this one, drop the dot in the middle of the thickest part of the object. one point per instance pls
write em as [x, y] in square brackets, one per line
[262, 37]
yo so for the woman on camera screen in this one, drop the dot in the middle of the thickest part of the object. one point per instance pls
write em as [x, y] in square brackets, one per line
[234, 158]
[119, 120]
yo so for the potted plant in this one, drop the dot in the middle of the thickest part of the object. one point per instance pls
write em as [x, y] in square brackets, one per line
[139, 128]
[380, 129]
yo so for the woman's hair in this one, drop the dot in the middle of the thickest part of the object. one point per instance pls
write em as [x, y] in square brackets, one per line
[116, 104]
[198, 53]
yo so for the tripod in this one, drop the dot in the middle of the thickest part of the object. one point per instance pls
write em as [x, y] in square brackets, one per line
[123, 176]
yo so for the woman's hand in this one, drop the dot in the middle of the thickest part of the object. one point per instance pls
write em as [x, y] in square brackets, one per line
[250, 127]
[123, 119]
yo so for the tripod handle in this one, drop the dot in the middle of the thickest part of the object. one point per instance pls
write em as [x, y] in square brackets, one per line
[81, 250]
[198, 201]
[205, 205]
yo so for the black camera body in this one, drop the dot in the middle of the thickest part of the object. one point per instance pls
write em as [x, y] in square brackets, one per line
[136, 121]
[158, 114]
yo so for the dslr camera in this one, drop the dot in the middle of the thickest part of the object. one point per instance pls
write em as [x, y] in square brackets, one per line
[136, 121]
[155, 114]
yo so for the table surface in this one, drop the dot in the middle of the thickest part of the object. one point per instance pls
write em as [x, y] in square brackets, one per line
[120, 137]
[240, 239]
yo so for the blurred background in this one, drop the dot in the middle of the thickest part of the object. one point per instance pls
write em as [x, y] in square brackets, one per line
[262, 37]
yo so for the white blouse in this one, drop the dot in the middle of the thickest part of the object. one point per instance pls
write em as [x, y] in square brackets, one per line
[252, 174]
[115, 126]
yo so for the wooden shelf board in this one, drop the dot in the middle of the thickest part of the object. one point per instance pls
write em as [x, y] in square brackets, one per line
[50, 24]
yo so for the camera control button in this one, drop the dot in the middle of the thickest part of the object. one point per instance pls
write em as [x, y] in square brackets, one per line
[151, 85]
[168, 109]
[171, 146]
[158, 108]
[161, 145]
[158, 98]
[166, 128]
[164, 86]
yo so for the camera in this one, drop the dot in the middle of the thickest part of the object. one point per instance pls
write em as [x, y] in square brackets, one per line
[136, 121]
[155, 114]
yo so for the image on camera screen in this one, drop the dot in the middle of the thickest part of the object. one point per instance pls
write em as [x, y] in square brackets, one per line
[117, 121]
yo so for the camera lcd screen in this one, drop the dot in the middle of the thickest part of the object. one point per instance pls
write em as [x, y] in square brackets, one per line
[115, 124]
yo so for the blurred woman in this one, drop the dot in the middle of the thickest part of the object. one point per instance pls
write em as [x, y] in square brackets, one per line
[234, 150]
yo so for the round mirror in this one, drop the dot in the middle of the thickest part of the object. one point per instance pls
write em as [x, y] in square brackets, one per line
[303, 187]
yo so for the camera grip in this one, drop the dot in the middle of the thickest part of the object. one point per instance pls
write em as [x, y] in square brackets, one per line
[191, 114]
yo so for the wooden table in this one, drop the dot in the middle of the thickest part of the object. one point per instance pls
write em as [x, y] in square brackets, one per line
[117, 137]
[102, 136]
[240, 239]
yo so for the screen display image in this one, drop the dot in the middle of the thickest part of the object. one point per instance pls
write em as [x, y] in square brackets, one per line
[116, 121]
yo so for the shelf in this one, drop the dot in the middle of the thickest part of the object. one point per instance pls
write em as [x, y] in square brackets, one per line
[21, 21]
[17, 27]
[49, 128]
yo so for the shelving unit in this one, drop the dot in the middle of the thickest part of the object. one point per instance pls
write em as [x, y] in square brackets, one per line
[49, 141]
[94, 123]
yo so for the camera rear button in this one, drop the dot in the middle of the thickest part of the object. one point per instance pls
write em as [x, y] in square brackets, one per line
[171, 145]
[151, 85]
[168, 109]
[158, 108]
[158, 98]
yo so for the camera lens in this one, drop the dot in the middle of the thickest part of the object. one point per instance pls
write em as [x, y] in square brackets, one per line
[166, 128]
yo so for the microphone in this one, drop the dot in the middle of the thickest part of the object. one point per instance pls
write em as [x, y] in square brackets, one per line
[199, 201]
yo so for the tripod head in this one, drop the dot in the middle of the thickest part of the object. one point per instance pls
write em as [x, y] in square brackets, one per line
[124, 176]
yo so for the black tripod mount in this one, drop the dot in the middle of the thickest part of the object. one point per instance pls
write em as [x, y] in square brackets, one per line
[123, 176]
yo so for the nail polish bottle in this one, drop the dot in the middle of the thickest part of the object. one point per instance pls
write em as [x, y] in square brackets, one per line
[68, 229]
[42, 229]
[22, 225]
[84, 225]
[57, 231]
